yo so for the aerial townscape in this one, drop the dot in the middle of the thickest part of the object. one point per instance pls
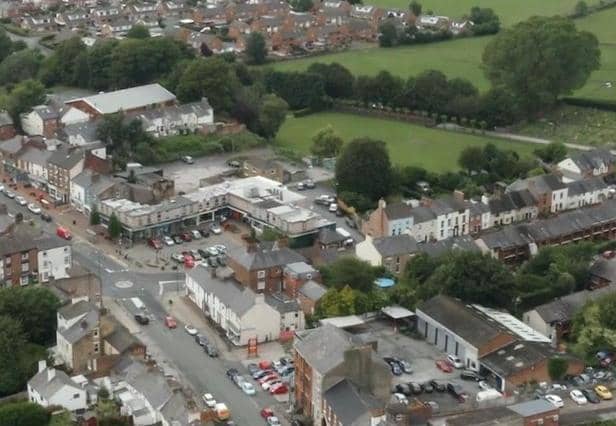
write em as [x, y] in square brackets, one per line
[307, 212]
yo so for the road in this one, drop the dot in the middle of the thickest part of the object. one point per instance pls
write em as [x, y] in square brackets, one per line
[179, 350]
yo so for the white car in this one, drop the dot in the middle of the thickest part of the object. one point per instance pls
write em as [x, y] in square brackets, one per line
[269, 384]
[483, 385]
[168, 240]
[273, 421]
[34, 208]
[248, 388]
[333, 208]
[578, 397]
[216, 230]
[9, 194]
[178, 257]
[213, 251]
[196, 235]
[221, 248]
[401, 398]
[555, 400]
[455, 361]
[209, 400]
[1, 188]
[21, 200]
[191, 330]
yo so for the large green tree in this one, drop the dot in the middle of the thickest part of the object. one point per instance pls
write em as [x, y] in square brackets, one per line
[272, 114]
[19, 66]
[115, 227]
[388, 34]
[338, 80]
[299, 89]
[12, 345]
[349, 271]
[256, 49]
[594, 327]
[138, 31]
[326, 143]
[541, 59]
[23, 97]
[23, 413]
[364, 167]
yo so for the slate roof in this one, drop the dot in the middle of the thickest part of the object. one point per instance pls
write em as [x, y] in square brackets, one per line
[584, 186]
[46, 112]
[395, 245]
[264, 259]
[461, 320]
[447, 204]
[86, 130]
[66, 157]
[13, 145]
[236, 297]
[75, 309]
[35, 156]
[152, 385]
[330, 236]
[282, 304]
[5, 119]
[594, 159]
[47, 388]
[129, 99]
[542, 184]
[532, 407]
[351, 407]
[121, 339]
[605, 269]
[81, 328]
[88, 180]
[422, 214]
[323, 347]
[518, 356]
[437, 248]
[564, 308]
[312, 290]
[398, 211]
[23, 238]
[513, 200]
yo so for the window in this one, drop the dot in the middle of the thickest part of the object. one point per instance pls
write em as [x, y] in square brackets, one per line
[67, 260]
[96, 348]
[75, 396]
[24, 256]
[261, 274]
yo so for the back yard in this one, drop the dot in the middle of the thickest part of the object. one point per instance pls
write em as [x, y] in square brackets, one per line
[435, 150]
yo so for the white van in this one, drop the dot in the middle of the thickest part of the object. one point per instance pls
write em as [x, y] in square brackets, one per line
[488, 395]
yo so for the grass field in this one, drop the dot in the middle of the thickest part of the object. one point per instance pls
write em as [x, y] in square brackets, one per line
[509, 11]
[435, 150]
[462, 58]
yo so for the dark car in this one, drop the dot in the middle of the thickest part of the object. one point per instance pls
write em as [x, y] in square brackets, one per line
[212, 261]
[471, 375]
[396, 370]
[211, 350]
[204, 254]
[252, 368]
[142, 319]
[201, 339]
[185, 236]
[350, 222]
[457, 391]
[232, 372]
[260, 373]
[591, 396]
[427, 387]
[415, 387]
[46, 217]
[205, 233]
[221, 261]
[177, 239]
[439, 387]
[403, 389]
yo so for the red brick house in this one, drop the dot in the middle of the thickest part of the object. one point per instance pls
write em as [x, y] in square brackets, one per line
[7, 128]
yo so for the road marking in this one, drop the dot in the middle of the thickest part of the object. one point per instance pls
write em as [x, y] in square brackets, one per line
[109, 271]
[161, 285]
[124, 284]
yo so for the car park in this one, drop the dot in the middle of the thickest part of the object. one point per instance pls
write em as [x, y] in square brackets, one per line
[34, 208]
[591, 396]
[201, 339]
[455, 361]
[191, 330]
[555, 400]
[21, 200]
[168, 240]
[578, 397]
[209, 400]
[603, 392]
[444, 366]
[142, 319]
[155, 243]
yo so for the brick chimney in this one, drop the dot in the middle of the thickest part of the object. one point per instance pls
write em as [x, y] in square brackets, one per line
[426, 201]
[458, 195]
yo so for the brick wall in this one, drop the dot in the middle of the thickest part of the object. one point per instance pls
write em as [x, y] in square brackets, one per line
[7, 132]
[303, 385]
[16, 266]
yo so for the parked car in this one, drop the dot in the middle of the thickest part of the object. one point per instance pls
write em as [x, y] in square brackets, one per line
[191, 330]
[309, 184]
[186, 237]
[189, 261]
[252, 368]
[279, 389]
[554, 400]
[439, 387]
[211, 350]
[591, 396]
[444, 366]
[155, 243]
[168, 240]
[471, 375]
[178, 257]
[196, 235]
[395, 369]
[248, 388]
[201, 339]
[64, 233]
[205, 233]
[231, 373]
[267, 412]
[239, 379]
[405, 365]
[46, 217]
[269, 384]
[177, 239]
[268, 377]
[300, 186]
[401, 398]
[273, 421]
[483, 385]
[170, 322]
[415, 388]
[34, 208]
[204, 254]
[403, 388]
[212, 251]
[455, 361]
[196, 255]
[259, 374]
[578, 397]
[21, 200]
[457, 391]
[221, 260]
[209, 400]
[325, 200]
[350, 222]
[142, 319]
[188, 159]
[333, 207]
[215, 229]
[427, 387]
[9, 194]
[603, 392]
[212, 262]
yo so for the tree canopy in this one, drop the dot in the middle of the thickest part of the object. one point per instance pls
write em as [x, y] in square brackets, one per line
[23, 97]
[326, 143]
[349, 271]
[364, 167]
[23, 413]
[541, 59]
[272, 114]
[138, 31]
[338, 80]
[256, 50]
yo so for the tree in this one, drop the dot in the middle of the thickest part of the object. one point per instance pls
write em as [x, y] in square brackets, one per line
[485, 21]
[469, 158]
[364, 167]
[19, 66]
[99, 64]
[6, 45]
[115, 227]
[594, 327]
[326, 143]
[580, 9]
[256, 50]
[552, 153]
[388, 34]
[12, 344]
[299, 89]
[415, 8]
[23, 413]
[59, 68]
[349, 271]
[557, 368]
[540, 59]
[338, 80]
[95, 216]
[212, 77]
[301, 5]
[272, 114]
[138, 31]
[23, 97]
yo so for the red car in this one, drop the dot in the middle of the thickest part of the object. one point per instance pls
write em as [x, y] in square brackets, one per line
[265, 364]
[268, 378]
[444, 366]
[186, 237]
[266, 413]
[156, 244]
[279, 389]
[170, 322]
[189, 262]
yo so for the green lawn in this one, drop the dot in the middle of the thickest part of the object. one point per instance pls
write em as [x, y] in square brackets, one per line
[509, 11]
[435, 150]
[462, 58]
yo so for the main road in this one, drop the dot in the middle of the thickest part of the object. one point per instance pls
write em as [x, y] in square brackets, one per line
[178, 350]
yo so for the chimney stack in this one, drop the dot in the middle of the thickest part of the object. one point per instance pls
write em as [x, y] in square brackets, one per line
[51, 373]
[42, 365]
[458, 195]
